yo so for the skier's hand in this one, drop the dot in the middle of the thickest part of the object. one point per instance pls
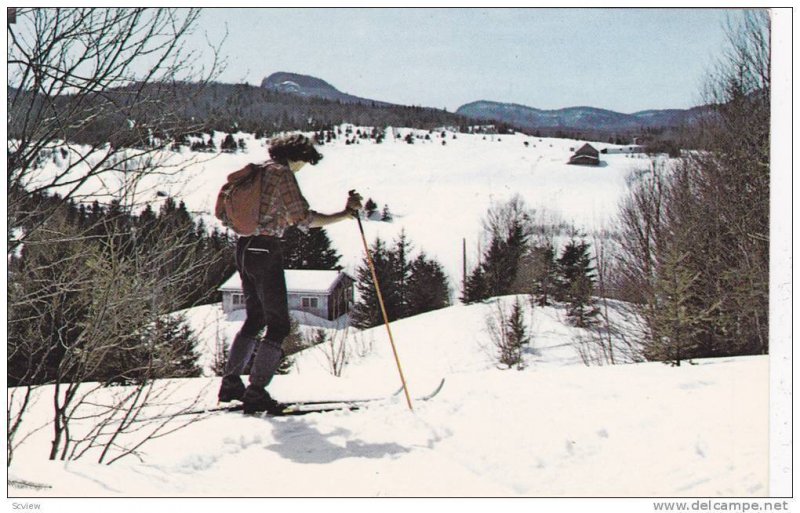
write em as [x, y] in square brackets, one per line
[354, 203]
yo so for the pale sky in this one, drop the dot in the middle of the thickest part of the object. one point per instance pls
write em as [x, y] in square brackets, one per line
[620, 59]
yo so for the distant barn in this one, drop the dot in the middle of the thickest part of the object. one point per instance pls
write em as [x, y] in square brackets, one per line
[587, 155]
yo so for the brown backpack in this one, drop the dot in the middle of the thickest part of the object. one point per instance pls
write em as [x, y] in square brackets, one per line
[239, 200]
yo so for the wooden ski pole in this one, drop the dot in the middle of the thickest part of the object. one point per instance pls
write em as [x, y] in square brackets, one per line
[383, 309]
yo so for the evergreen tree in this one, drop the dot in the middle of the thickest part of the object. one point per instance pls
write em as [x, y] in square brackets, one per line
[496, 271]
[228, 144]
[221, 356]
[576, 283]
[427, 286]
[475, 288]
[517, 330]
[370, 207]
[497, 274]
[386, 216]
[146, 225]
[676, 316]
[408, 286]
[509, 229]
[509, 334]
[144, 266]
[175, 348]
[309, 250]
[166, 348]
[322, 254]
[401, 270]
[366, 312]
[540, 267]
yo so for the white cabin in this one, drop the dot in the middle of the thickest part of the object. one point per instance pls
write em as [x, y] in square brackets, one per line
[326, 294]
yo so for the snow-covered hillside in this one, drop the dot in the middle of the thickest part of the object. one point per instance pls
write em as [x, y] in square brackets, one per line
[438, 193]
[458, 332]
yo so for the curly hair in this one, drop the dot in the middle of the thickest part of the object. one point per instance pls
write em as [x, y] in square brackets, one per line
[294, 147]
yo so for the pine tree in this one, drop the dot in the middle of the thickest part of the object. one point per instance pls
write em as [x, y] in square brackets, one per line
[366, 312]
[309, 250]
[496, 271]
[676, 319]
[576, 283]
[228, 144]
[509, 334]
[497, 274]
[408, 286]
[517, 330]
[221, 356]
[541, 270]
[386, 215]
[508, 227]
[370, 207]
[164, 349]
[475, 288]
[177, 348]
[427, 286]
[397, 298]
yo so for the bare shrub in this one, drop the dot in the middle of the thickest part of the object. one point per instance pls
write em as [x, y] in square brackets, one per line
[89, 88]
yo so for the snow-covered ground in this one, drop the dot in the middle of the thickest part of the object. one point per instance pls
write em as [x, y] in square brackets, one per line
[556, 428]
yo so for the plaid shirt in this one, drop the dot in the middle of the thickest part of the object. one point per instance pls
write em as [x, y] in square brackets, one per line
[282, 203]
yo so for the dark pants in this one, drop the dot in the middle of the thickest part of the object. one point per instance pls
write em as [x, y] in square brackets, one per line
[260, 263]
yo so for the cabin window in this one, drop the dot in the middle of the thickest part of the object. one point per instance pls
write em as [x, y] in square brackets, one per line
[310, 302]
[238, 299]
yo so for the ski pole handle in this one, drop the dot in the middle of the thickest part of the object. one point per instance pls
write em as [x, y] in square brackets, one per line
[352, 194]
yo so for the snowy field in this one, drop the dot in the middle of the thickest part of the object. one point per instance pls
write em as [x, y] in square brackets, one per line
[556, 428]
[437, 193]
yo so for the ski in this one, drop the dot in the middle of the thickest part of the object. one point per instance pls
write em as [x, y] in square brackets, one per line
[302, 408]
[349, 401]
[434, 393]
[296, 408]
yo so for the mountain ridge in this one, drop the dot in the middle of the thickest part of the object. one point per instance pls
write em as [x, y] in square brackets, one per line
[580, 117]
[583, 117]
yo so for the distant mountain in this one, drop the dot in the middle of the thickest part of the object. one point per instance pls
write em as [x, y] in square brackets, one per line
[305, 85]
[584, 119]
[228, 108]
[578, 118]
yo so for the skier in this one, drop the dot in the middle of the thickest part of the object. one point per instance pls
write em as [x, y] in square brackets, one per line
[260, 265]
